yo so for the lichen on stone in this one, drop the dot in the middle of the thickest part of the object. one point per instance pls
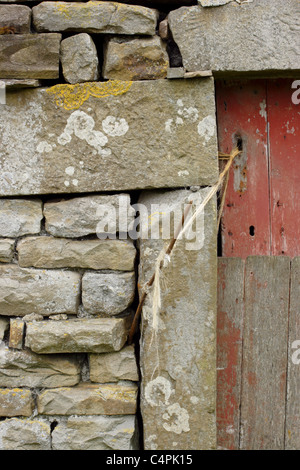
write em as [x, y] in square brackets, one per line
[73, 96]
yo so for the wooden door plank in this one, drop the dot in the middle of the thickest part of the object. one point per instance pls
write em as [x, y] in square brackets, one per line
[265, 340]
[284, 138]
[292, 435]
[229, 350]
[242, 119]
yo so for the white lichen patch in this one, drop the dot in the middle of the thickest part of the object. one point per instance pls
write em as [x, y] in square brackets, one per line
[184, 113]
[207, 127]
[158, 391]
[82, 126]
[115, 127]
[183, 173]
[194, 400]
[44, 146]
[70, 170]
[177, 419]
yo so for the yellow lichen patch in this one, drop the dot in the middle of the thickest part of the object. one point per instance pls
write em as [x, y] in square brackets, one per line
[111, 392]
[73, 96]
[68, 9]
[63, 8]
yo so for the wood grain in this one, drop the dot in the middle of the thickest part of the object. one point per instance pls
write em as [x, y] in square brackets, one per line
[229, 350]
[265, 353]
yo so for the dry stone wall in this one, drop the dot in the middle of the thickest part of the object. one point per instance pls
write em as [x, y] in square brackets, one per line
[65, 312]
[108, 122]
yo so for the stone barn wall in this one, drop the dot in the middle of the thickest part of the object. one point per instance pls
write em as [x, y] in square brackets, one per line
[107, 109]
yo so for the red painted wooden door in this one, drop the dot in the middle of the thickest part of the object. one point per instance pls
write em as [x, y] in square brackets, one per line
[262, 205]
[261, 216]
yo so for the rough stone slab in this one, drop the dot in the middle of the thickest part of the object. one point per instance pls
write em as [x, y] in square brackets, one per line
[89, 215]
[50, 252]
[158, 133]
[13, 84]
[6, 249]
[25, 291]
[29, 56]
[107, 399]
[20, 217]
[16, 18]
[175, 72]
[268, 36]
[25, 434]
[26, 369]
[109, 293]
[16, 333]
[163, 29]
[96, 433]
[135, 59]
[215, 3]
[94, 17]
[112, 367]
[79, 59]
[16, 402]
[178, 358]
[96, 335]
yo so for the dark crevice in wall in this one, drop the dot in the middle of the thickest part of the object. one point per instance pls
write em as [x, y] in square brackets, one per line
[53, 425]
[175, 57]
[99, 42]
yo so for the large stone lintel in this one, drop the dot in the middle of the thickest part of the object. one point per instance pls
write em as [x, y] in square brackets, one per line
[108, 136]
[260, 35]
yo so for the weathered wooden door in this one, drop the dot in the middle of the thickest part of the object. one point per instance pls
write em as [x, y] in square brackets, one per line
[262, 207]
[258, 403]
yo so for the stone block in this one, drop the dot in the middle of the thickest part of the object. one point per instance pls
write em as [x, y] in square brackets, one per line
[175, 72]
[20, 217]
[178, 340]
[16, 402]
[96, 433]
[29, 56]
[267, 36]
[94, 17]
[14, 83]
[16, 333]
[79, 59]
[25, 434]
[112, 367]
[163, 29]
[109, 293]
[15, 18]
[89, 215]
[26, 369]
[135, 59]
[89, 399]
[50, 252]
[7, 246]
[24, 291]
[115, 136]
[96, 335]
[215, 3]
